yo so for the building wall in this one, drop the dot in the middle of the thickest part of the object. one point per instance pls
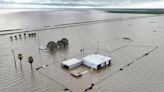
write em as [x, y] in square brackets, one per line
[75, 65]
[96, 66]
[89, 64]
[103, 64]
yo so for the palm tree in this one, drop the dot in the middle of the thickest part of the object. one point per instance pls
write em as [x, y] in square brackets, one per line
[30, 60]
[51, 45]
[24, 35]
[15, 37]
[11, 38]
[20, 57]
[29, 34]
[20, 36]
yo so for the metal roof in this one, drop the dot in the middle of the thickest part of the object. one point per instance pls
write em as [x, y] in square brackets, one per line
[96, 59]
[71, 62]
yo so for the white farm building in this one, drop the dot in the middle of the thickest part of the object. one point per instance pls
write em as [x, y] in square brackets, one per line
[71, 63]
[96, 61]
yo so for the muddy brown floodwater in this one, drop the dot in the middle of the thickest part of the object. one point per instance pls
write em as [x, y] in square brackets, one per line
[133, 41]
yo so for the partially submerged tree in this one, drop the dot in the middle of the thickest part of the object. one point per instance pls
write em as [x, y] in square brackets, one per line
[20, 57]
[30, 60]
[65, 42]
[24, 35]
[15, 37]
[51, 45]
[60, 43]
[20, 36]
[11, 38]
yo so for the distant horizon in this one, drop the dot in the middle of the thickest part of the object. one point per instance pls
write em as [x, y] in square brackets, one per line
[132, 4]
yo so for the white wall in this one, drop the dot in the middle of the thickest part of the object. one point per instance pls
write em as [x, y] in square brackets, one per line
[89, 64]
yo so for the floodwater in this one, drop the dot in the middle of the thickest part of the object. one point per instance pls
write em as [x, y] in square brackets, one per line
[133, 41]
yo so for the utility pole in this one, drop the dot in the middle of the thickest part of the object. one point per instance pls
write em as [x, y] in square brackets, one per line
[82, 51]
[63, 56]
[14, 58]
[92, 68]
[39, 44]
[98, 46]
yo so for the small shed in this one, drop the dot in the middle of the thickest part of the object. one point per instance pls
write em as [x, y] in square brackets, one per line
[76, 73]
[96, 61]
[71, 63]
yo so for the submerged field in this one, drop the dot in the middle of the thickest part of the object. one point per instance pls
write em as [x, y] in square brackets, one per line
[133, 41]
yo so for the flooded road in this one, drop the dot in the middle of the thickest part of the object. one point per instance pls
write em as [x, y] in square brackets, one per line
[133, 41]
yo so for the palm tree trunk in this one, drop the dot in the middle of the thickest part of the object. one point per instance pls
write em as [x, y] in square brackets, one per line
[21, 65]
[31, 67]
